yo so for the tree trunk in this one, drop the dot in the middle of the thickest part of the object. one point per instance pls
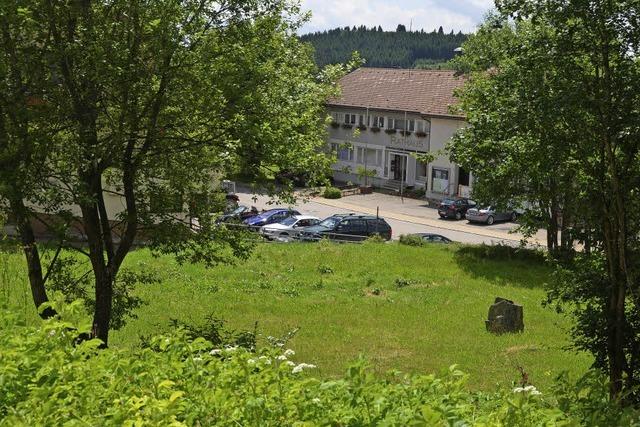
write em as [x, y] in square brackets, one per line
[552, 231]
[616, 315]
[32, 255]
[566, 237]
[101, 273]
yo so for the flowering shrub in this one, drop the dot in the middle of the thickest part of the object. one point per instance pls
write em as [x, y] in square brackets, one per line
[48, 378]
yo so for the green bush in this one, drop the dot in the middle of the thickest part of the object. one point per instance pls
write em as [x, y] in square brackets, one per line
[375, 239]
[48, 378]
[332, 193]
[411, 240]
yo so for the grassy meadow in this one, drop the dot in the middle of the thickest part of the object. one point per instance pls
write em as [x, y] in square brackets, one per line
[415, 309]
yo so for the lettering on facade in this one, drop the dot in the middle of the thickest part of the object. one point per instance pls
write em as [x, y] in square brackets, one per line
[408, 142]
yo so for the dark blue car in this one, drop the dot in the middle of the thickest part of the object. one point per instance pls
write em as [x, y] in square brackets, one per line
[271, 216]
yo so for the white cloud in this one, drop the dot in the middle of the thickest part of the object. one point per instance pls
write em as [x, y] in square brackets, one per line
[427, 14]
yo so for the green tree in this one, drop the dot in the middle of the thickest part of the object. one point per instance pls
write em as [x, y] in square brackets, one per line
[510, 103]
[25, 131]
[568, 84]
[154, 102]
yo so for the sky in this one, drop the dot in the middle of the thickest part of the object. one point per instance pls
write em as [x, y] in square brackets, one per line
[457, 15]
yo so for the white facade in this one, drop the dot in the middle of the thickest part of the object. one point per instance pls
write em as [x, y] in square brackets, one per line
[377, 140]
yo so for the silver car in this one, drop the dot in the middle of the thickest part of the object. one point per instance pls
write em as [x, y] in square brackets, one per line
[287, 228]
[489, 215]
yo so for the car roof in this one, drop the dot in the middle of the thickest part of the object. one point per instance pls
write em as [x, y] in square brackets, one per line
[274, 210]
[356, 216]
[305, 217]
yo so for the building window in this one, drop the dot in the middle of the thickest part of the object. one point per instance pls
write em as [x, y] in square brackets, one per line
[440, 180]
[361, 120]
[421, 171]
[423, 126]
[337, 117]
[401, 124]
[378, 121]
[350, 119]
[373, 157]
[343, 153]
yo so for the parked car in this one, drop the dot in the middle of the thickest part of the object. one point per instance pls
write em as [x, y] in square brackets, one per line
[433, 238]
[347, 227]
[239, 214]
[269, 217]
[288, 227]
[489, 215]
[455, 208]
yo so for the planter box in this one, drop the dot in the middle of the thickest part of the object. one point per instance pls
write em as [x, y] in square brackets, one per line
[335, 125]
[366, 190]
[375, 129]
[390, 131]
[362, 127]
[347, 126]
[350, 191]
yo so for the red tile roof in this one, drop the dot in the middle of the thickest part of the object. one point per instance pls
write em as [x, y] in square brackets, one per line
[425, 92]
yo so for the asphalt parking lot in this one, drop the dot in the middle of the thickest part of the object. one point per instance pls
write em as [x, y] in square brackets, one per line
[404, 215]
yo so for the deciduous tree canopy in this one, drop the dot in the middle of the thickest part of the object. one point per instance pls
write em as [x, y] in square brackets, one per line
[155, 102]
[552, 104]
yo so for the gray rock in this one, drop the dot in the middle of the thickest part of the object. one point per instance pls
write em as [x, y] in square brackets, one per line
[505, 316]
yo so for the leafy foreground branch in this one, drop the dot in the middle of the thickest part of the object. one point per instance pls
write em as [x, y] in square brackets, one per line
[47, 380]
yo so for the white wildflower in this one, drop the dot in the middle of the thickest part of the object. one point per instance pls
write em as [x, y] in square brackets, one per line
[530, 390]
[265, 359]
[302, 366]
[315, 400]
[251, 361]
[215, 351]
[281, 358]
[231, 349]
[290, 363]
[288, 352]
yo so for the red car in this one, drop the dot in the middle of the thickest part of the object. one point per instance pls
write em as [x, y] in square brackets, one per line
[455, 208]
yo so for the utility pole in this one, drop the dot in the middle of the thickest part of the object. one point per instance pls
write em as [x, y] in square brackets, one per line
[366, 149]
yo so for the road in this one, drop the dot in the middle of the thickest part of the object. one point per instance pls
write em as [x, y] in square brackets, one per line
[404, 215]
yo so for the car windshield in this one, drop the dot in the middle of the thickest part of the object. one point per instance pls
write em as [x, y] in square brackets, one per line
[268, 213]
[238, 210]
[329, 222]
[448, 202]
[289, 221]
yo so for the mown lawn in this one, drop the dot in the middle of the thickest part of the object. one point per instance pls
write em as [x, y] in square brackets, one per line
[407, 308]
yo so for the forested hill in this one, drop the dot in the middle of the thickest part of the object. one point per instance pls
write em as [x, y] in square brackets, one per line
[400, 48]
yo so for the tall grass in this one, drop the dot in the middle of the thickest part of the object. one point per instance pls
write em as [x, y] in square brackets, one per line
[14, 287]
[417, 309]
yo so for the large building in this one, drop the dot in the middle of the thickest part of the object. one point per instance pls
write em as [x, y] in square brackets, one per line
[398, 114]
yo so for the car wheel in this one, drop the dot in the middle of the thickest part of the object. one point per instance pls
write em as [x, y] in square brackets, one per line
[458, 216]
[514, 216]
[490, 220]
